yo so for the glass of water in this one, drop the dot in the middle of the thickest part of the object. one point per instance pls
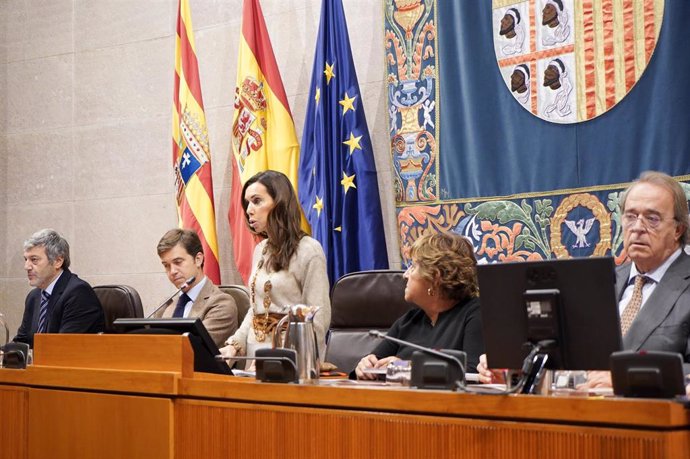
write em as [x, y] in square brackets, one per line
[399, 372]
[568, 379]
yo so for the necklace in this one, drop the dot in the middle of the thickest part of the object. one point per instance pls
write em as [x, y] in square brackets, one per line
[262, 324]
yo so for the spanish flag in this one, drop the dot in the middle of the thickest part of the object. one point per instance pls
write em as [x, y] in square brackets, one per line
[191, 153]
[263, 133]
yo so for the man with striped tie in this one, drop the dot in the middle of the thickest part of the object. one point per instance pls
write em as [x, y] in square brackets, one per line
[654, 288]
[61, 302]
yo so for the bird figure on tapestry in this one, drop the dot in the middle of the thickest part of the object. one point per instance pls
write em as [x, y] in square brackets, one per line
[580, 230]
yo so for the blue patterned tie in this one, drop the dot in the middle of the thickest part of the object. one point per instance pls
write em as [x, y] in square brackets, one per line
[43, 312]
[179, 309]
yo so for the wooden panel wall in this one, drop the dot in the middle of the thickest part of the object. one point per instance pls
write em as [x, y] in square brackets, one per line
[223, 430]
[13, 422]
[68, 425]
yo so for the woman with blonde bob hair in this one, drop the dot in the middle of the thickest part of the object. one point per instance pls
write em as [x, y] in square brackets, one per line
[442, 281]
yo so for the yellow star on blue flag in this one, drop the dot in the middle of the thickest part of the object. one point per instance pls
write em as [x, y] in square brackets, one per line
[348, 103]
[353, 142]
[329, 72]
[347, 182]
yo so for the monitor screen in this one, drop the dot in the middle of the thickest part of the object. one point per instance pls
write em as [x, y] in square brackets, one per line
[204, 347]
[571, 301]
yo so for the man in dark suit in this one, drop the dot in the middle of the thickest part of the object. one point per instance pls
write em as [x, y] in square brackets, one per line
[654, 288]
[60, 301]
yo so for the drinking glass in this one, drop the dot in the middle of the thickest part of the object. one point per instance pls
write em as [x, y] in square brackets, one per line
[568, 379]
[399, 372]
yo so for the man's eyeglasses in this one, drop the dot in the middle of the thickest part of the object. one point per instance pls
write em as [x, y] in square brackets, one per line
[650, 221]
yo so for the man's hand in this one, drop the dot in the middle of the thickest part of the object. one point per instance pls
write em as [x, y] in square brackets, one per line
[488, 376]
[596, 379]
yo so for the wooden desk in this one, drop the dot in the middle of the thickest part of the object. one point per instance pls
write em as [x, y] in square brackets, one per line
[63, 408]
[94, 396]
[235, 416]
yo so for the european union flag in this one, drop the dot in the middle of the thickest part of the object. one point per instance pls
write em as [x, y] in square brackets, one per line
[337, 174]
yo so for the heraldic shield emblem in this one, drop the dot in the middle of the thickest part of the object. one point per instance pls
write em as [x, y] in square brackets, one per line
[567, 61]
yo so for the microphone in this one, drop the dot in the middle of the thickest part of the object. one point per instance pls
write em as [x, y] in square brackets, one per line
[169, 299]
[424, 373]
[221, 358]
[273, 365]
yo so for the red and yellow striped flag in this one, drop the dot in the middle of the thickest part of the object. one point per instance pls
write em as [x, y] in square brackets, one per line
[263, 133]
[191, 152]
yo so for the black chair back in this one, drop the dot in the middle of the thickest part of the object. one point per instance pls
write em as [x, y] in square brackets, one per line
[362, 301]
[118, 301]
[240, 294]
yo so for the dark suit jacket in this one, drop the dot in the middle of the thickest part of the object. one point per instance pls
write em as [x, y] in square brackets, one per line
[73, 308]
[663, 323]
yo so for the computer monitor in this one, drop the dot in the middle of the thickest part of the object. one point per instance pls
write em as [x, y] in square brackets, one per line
[204, 347]
[571, 301]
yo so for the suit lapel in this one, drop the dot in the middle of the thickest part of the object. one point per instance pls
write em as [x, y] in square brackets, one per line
[659, 304]
[199, 305]
[622, 275]
[36, 300]
[59, 288]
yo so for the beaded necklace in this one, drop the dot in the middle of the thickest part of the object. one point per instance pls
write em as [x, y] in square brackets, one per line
[262, 324]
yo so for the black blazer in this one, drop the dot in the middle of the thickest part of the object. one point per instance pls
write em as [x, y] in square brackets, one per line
[73, 308]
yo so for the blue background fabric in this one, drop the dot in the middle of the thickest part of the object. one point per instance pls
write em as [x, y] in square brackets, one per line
[520, 187]
[490, 146]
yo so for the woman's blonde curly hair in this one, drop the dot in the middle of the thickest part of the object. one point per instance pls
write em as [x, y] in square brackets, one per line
[448, 258]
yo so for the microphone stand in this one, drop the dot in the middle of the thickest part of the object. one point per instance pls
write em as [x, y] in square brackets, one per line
[282, 377]
[532, 366]
[222, 358]
[532, 371]
[442, 355]
[169, 299]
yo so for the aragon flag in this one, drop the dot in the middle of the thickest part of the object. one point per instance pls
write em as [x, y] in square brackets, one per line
[191, 152]
[337, 175]
[263, 133]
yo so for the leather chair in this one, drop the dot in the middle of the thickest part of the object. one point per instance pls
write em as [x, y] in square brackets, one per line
[240, 294]
[362, 301]
[118, 301]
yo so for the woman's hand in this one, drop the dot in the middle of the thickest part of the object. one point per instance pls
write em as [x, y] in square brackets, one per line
[488, 376]
[368, 361]
[383, 363]
[228, 351]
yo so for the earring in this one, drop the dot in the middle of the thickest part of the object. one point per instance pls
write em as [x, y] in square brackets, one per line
[430, 292]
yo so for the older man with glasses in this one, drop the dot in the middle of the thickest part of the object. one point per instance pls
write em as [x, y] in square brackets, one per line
[654, 288]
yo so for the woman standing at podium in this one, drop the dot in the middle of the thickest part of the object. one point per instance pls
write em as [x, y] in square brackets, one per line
[288, 267]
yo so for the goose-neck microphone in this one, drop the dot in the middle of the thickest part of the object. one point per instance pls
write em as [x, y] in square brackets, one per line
[429, 373]
[167, 301]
